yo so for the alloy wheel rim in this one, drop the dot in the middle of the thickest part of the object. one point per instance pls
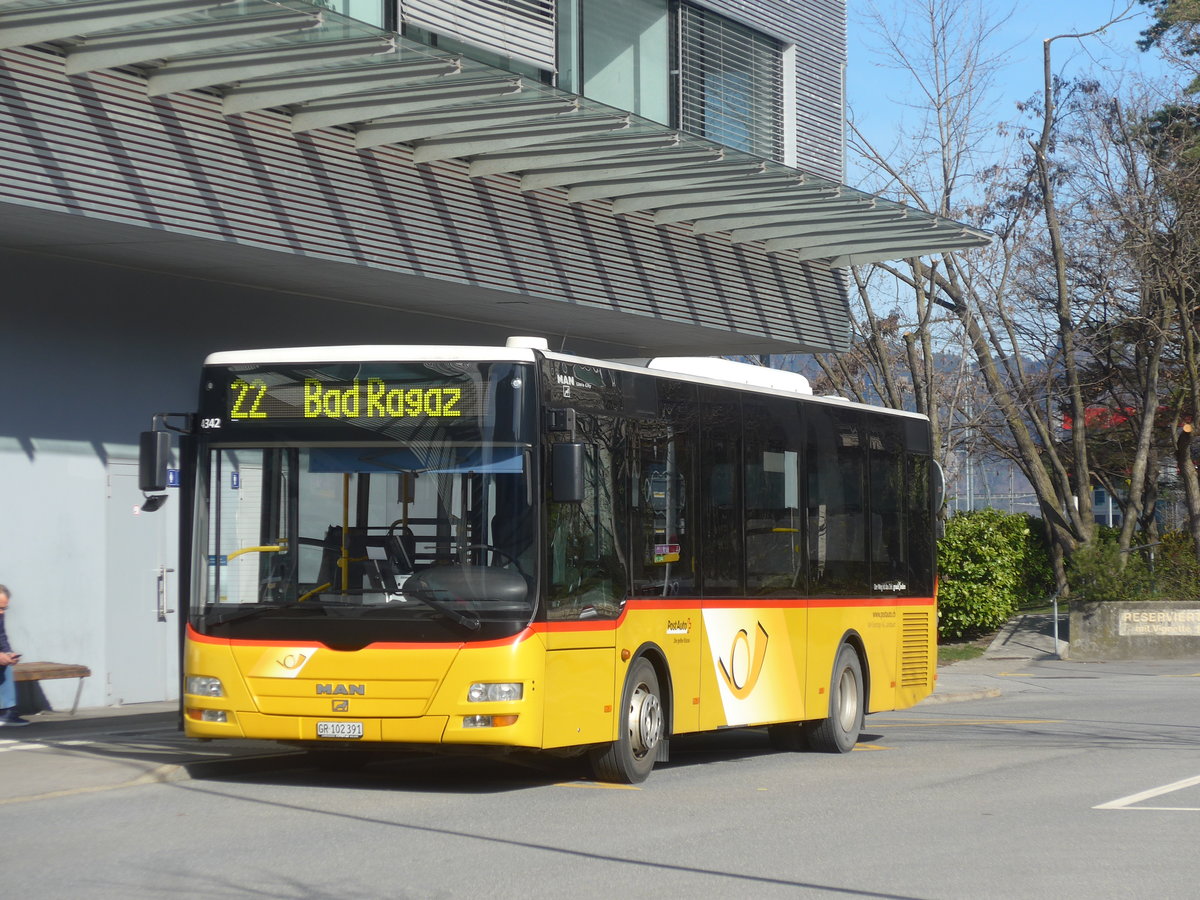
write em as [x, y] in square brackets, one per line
[645, 721]
[847, 700]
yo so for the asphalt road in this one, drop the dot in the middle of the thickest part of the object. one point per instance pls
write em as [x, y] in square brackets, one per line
[1077, 780]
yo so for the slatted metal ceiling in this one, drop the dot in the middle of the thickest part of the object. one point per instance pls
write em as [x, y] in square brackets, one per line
[330, 71]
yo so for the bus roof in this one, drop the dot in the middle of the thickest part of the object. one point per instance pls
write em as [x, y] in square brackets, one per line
[714, 371]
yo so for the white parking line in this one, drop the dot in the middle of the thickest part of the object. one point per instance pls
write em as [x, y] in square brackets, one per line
[5, 746]
[1128, 802]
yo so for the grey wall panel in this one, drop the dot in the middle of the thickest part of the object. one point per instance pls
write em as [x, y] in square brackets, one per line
[97, 147]
[818, 29]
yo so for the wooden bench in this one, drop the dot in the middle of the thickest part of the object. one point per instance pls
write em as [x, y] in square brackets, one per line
[45, 671]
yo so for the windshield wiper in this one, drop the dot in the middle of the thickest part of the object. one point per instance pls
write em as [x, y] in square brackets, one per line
[242, 615]
[261, 609]
[469, 621]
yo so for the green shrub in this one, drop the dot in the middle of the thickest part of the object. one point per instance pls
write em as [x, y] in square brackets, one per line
[1176, 574]
[1096, 575]
[990, 564]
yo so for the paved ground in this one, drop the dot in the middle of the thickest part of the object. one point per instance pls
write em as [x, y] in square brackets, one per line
[1023, 638]
[102, 748]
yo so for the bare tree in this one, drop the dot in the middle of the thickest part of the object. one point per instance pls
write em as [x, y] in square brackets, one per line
[1015, 307]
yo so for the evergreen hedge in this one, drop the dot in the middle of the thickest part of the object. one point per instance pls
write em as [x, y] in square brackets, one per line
[991, 563]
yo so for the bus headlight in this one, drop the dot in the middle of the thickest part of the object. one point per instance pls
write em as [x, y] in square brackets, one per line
[483, 692]
[204, 686]
[488, 721]
[209, 715]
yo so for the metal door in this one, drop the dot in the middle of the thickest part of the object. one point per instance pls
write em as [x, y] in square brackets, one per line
[142, 619]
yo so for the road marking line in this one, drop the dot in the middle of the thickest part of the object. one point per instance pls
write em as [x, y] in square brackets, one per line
[598, 784]
[5, 746]
[158, 775]
[1127, 802]
[979, 722]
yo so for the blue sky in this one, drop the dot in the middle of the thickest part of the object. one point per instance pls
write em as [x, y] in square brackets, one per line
[876, 94]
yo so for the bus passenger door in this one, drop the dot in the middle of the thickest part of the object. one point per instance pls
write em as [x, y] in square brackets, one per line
[586, 585]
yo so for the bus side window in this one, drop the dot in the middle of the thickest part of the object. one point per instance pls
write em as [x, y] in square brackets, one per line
[774, 522]
[662, 521]
[837, 536]
[721, 506]
[889, 569]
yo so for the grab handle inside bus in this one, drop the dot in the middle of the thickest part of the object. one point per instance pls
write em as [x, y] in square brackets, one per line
[566, 472]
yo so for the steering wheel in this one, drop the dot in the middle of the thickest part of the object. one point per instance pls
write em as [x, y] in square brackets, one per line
[503, 553]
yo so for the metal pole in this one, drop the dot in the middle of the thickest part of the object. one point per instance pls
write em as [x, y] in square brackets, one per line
[1057, 652]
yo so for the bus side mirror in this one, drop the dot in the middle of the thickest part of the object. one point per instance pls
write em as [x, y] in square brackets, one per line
[154, 455]
[566, 472]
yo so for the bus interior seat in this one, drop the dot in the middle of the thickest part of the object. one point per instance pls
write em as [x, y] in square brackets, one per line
[401, 549]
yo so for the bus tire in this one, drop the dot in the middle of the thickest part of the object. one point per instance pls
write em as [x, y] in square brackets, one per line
[629, 759]
[839, 733]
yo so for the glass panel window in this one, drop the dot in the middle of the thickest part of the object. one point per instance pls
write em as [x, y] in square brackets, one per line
[369, 11]
[354, 544]
[889, 564]
[721, 492]
[662, 552]
[588, 575]
[353, 503]
[520, 33]
[836, 505]
[774, 518]
[920, 525]
[730, 83]
[625, 54]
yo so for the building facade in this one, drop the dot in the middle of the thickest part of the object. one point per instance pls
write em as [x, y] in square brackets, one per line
[623, 177]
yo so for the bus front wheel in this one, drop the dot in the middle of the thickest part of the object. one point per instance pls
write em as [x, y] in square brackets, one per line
[629, 759]
[839, 733]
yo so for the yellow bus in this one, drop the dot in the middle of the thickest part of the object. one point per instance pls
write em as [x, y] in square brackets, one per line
[511, 548]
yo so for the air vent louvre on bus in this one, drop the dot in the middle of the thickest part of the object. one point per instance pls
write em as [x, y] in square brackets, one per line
[914, 649]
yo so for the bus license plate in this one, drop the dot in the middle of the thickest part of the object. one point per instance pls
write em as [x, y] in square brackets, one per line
[342, 731]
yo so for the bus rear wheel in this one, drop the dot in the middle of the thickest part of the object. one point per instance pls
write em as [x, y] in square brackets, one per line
[839, 733]
[629, 759]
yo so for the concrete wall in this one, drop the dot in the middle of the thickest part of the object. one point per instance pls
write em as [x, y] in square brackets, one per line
[1109, 631]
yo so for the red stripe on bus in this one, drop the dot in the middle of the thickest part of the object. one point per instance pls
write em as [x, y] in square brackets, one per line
[517, 638]
[594, 625]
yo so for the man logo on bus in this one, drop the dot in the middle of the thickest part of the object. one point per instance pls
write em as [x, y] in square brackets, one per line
[359, 689]
[740, 679]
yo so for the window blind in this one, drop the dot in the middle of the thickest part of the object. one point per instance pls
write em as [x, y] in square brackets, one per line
[521, 29]
[730, 83]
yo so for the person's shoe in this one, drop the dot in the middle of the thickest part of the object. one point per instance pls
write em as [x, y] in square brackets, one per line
[12, 720]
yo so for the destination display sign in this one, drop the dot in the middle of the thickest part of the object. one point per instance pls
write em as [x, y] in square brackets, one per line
[373, 398]
[270, 398]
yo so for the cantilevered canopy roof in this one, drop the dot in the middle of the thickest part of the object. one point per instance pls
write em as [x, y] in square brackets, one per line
[329, 71]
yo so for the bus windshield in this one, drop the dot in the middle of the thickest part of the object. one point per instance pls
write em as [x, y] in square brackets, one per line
[357, 542]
